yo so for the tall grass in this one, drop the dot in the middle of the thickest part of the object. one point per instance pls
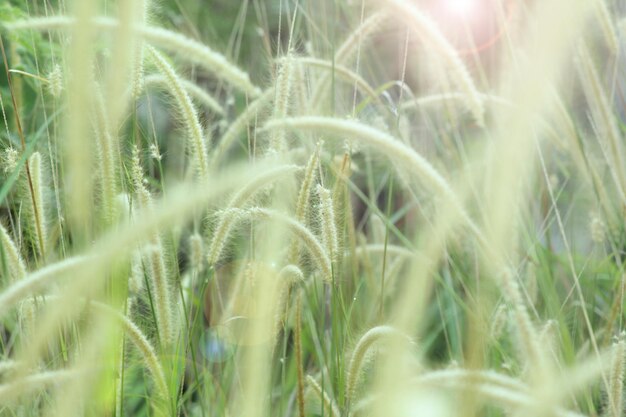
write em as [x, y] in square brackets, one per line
[303, 208]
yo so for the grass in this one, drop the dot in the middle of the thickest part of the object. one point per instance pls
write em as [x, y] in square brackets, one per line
[312, 208]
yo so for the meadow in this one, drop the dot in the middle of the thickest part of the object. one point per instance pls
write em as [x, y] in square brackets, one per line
[300, 208]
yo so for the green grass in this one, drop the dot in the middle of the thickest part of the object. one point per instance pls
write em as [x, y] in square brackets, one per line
[312, 208]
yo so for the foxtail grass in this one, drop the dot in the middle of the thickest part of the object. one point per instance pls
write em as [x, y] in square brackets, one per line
[187, 112]
[185, 48]
[12, 262]
[328, 405]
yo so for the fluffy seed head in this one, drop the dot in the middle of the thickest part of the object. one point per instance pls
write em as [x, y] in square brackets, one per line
[55, 81]
[9, 160]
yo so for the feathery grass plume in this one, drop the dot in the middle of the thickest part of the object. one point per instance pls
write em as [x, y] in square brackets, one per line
[155, 153]
[7, 366]
[202, 55]
[458, 375]
[597, 228]
[344, 218]
[503, 389]
[370, 338]
[135, 336]
[192, 89]
[370, 249]
[187, 111]
[181, 45]
[78, 148]
[161, 293]
[87, 271]
[36, 207]
[55, 81]
[141, 343]
[289, 276]
[108, 151]
[27, 316]
[302, 205]
[603, 117]
[549, 340]
[37, 280]
[616, 382]
[403, 157]
[239, 124]
[138, 80]
[606, 25]
[329, 406]
[315, 248]
[228, 217]
[151, 261]
[298, 353]
[138, 180]
[16, 388]
[196, 251]
[138, 273]
[10, 259]
[283, 86]
[455, 376]
[306, 237]
[527, 334]
[326, 217]
[426, 29]
[498, 322]
[8, 160]
[510, 398]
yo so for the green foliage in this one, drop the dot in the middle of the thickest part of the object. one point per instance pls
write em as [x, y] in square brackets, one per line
[312, 208]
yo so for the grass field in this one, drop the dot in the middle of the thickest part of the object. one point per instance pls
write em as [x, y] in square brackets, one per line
[312, 208]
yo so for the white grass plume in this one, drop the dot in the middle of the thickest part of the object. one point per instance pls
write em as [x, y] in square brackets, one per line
[36, 206]
[326, 218]
[38, 280]
[283, 87]
[16, 388]
[10, 258]
[136, 336]
[192, 89]
[183, 46]
[108, 151]
[302, 205]
[306, 237]
[187, 111]
[246, 193]
[315, 248]
[426, 29]
[370, 338]
[404, 158]
[616, 382]
[509, 397]
[161, 293]
[327, 403]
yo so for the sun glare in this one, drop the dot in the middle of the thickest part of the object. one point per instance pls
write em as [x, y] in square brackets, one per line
[461, 7]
